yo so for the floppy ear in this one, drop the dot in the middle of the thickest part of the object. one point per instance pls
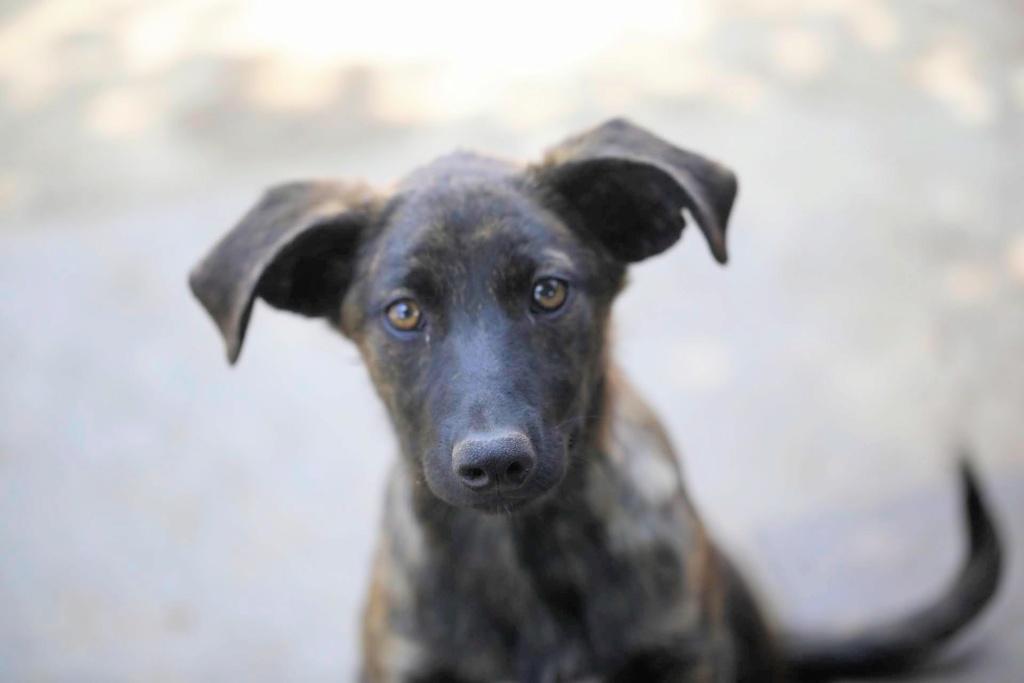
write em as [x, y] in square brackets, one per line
[630, 188]
[294, 249]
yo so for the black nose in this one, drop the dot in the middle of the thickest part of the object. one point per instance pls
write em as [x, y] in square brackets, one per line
[487, 461]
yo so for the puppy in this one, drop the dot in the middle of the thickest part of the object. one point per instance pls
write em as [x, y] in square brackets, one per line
[536, 526]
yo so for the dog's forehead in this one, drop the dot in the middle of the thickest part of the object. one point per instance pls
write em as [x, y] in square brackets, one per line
[459, 168]
[464, 204]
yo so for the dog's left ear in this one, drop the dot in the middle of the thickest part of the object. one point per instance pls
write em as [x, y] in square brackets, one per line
[294, 249]
[631, 187]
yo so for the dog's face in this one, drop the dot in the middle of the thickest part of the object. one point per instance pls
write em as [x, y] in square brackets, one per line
[481, 317]
[478, 292]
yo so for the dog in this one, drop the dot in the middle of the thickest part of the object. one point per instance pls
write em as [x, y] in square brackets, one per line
[536, 525]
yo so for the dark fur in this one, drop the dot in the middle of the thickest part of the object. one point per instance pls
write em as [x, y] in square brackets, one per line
[597, 567]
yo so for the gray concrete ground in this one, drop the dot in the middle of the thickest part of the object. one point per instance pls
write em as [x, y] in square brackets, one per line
[165, 518]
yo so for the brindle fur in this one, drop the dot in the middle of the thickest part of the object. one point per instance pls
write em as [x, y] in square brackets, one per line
[601, 570]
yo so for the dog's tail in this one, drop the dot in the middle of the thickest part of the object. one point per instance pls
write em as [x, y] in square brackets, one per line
[894, 647]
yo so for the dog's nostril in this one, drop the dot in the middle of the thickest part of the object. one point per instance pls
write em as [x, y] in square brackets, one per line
[473, 473]
[476, 478]
[516, 473]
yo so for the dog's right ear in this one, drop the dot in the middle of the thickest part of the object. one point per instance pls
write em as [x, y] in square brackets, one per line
[294, 249]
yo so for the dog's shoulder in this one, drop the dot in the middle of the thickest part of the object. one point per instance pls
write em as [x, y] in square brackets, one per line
[639, 446]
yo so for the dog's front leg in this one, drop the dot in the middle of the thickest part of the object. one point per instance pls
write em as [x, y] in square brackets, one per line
[695, 661]
[547, 654]
[677, 672]
[394, 658]
[391, 654]
[567, 664]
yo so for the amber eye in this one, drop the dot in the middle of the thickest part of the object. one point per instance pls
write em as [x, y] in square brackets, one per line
[404, 315]
[549, 294]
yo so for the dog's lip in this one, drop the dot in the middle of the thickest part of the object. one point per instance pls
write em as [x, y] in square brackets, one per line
[502, 502]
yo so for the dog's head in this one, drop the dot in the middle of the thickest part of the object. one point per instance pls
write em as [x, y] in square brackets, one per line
[477, 291]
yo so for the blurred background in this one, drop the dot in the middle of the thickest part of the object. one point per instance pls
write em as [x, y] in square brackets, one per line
[164, 517]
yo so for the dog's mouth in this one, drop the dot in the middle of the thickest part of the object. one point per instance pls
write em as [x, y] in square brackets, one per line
[500, 471]
[573, 436]
[501, 504]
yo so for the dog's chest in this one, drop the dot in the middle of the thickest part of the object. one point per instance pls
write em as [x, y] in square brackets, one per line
[571, 573]
[548, 593]
[524, 606]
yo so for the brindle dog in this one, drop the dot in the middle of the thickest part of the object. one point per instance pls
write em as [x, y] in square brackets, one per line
[536, 526]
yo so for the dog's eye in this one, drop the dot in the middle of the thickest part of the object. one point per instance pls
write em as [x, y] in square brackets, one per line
[550, 293]
[404, 315]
